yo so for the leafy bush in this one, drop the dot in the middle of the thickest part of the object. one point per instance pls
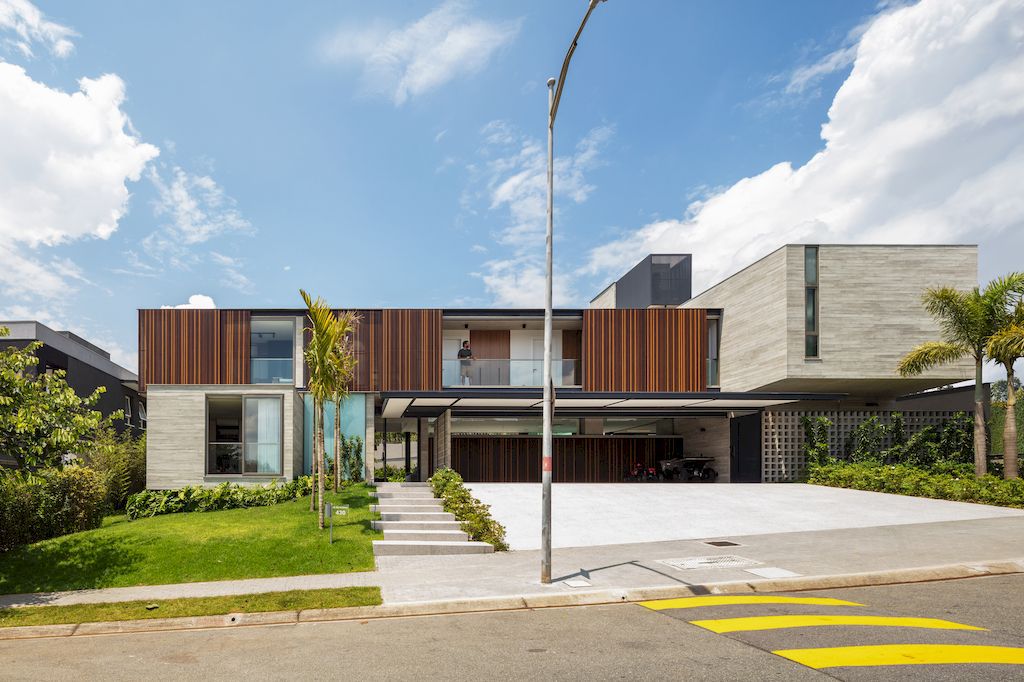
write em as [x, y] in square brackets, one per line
[150, 503]
[390, 474]
[352, 457]
[474, 516]
[48, 503]
[816, 439]
[947, 481]
[121, 460]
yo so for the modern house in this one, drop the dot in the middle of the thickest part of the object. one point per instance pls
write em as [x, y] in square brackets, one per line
[647, 373]
[87, 367]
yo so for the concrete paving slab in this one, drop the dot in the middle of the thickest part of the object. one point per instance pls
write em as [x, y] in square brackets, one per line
[588, 515]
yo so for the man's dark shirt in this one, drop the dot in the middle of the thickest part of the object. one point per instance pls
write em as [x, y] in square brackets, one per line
[465, 354]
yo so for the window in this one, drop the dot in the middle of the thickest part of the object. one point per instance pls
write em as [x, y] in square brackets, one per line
[128, 410]
[713, 341]
[811, 317]
[271, 346]
[244, 435]
[143, 417]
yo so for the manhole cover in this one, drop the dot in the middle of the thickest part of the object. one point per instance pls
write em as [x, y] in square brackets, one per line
[720, 561]
[722, 543]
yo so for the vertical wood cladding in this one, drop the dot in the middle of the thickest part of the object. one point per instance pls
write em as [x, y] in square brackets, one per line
[411, 345]
[193, 347]
[366, 345]
[657, 349]
[490, 344]
[577, 459]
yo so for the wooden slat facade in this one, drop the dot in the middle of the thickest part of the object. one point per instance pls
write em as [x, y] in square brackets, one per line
[367, 347]
[193, 347]
[577, 459]
[490, 344]
[658, 349]
[411, 349]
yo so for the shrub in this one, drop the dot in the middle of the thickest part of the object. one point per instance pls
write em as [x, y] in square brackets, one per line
[474, 516]
[816, 439]
[947, 481]
[150, 503]
[121, 460]
[48, 503]
[390, 474]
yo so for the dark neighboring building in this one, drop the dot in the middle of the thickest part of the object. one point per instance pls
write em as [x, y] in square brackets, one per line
[661, 280]
[87, 367]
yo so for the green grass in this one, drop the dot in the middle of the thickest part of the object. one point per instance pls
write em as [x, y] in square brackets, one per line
[193, 606]
[177, 548]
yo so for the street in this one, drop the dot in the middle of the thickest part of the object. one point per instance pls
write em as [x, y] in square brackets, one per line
[627, 641]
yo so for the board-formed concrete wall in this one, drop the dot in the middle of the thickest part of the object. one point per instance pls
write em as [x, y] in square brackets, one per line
[870, 315]
[176, 437]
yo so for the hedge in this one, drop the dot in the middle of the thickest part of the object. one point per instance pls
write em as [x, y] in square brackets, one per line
[952, 482]
[48, 503]
[474, 516]
[996, 427]
[150, 503]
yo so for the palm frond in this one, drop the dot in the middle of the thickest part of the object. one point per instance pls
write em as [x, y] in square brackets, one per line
[1007, 344]
[960, 314]
[931, 354]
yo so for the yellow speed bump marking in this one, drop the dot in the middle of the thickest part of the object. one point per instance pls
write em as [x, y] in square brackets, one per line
[723, 625]
[902, 654]
[697, 602]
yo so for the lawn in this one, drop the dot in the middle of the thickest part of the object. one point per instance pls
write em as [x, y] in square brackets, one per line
[195, 606]
[177, 548]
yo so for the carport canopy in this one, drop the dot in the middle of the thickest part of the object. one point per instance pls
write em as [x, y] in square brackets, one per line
[433, 403]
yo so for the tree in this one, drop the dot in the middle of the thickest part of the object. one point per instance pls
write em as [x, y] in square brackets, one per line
[41, 417]
[999, 389]
[345, 364]
[1006, 346]
[320, 355]
[967, 319]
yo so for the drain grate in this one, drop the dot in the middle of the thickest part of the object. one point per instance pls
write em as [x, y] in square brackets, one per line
[720, 561]
[722, 543]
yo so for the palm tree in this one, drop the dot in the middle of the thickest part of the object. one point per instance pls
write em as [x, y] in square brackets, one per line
[345, 364]
[1006, 347]
[967, 320]
[323, 380]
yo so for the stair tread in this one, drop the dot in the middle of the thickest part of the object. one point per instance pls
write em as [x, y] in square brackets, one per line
[429, 543]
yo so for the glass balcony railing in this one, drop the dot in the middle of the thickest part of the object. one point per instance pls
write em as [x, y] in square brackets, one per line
[271, 370]
[507, 373]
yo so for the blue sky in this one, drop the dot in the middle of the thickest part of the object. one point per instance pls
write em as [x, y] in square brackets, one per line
[391, 153]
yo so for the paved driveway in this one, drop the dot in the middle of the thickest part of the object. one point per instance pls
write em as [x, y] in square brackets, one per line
[586, 515]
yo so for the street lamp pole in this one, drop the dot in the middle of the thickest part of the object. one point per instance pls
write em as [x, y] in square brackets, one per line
[554, 97]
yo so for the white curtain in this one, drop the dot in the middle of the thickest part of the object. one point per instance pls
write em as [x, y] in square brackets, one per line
[267, 443]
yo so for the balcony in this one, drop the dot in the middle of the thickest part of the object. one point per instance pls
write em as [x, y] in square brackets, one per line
[491, 373]
[271, 370]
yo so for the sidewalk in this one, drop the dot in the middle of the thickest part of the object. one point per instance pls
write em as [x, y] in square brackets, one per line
[513, 574]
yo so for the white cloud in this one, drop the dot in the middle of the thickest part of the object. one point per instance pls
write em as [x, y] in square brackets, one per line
[63, 177]
[194, 301]
[29, 26]
[924, 143]
[515, 177]
[423, 55]
[231, 272]
[198, 208]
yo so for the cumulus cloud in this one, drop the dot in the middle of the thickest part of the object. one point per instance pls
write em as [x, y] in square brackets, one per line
[404, 62]
[924, 142]
[64, 176]
[194, 301]
[514, 178]
[29, 27]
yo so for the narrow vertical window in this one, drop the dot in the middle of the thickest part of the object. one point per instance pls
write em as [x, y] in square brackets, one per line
[128, 410]
[713, 339]
[811, 323]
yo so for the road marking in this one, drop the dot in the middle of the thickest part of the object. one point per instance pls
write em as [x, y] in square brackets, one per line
[697, 602]
[902, 654]
[723, 625]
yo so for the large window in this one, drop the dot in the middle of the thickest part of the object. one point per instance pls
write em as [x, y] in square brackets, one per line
[244, 435]
[272, 344]
[714, 326]
[811, 321]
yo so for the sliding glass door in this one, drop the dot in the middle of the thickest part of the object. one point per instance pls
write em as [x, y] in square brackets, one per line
[245, 435]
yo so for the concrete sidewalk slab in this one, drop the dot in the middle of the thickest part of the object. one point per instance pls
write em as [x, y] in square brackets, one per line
[588, 515]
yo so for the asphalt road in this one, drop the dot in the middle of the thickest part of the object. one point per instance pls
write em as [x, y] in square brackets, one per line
[627, 641]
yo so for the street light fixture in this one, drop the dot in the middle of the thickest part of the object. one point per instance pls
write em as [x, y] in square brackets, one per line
[554, 97]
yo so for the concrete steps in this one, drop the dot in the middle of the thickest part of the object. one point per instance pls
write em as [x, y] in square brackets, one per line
[420, 548]
[426, 535]
[415, 523]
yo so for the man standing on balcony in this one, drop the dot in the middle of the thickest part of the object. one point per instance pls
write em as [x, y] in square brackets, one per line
[465, 362]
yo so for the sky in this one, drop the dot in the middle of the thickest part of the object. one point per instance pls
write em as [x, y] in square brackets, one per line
[392, 154]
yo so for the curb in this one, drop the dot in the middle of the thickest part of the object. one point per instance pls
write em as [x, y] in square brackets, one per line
[529, 601]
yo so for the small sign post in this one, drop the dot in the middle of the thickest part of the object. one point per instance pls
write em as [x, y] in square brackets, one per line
[329, 509]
